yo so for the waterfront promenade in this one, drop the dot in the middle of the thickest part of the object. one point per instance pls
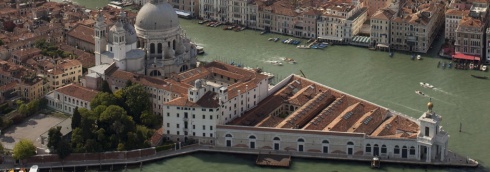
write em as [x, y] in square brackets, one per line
[453, 160]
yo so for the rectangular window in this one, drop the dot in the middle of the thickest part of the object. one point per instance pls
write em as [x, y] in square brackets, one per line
[168, 124]
[204, 134]
[203, 127]
[210, 116]
[193, 133]
[211, 135]
[168, 114]
[178, 115]
[203, 109]
[210, 127]
[193, 126]
[203, 116]
[193, 116]
[178, 126]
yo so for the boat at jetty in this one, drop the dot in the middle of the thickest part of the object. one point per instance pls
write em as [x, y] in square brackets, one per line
[391, 54]
[419, 57]
[479, 77]
[200, 50]
[426, 85]
[303, 46]
[483, 68]
[375, 163]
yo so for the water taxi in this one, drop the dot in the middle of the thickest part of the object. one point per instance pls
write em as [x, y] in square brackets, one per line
[419, 93]
[426, 85]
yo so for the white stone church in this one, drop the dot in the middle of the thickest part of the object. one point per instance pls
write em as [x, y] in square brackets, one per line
[155, 46]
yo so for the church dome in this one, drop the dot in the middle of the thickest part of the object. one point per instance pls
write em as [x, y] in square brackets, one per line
[157, 16]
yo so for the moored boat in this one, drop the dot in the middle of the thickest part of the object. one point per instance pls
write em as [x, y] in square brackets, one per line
[391, 54]
[375, 163]
[303, 46]
[200, 50]
[276, 39]
[419, 57]
[483, 68]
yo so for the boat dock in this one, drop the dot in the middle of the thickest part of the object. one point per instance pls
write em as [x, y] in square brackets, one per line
[273, 160]
[51, 161]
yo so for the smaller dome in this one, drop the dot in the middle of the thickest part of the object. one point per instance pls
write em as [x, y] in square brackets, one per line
[430, 105]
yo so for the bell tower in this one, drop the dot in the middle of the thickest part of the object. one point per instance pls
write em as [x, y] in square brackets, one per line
[100, 38]
[119, 45]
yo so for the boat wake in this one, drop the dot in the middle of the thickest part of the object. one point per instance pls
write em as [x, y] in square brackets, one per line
[444, 92]
[407, 107]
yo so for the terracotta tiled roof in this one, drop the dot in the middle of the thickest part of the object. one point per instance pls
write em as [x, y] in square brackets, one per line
[83, 33]
[156, 138]
[78, 92]
[383, 14]
[8, 86]
[208, 100]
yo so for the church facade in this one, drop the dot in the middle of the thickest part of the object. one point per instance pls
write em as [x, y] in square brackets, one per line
[155, 46]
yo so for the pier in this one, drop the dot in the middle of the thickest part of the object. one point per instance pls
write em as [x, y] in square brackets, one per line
[274, 158]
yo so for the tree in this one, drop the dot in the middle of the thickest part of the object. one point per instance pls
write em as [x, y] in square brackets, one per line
[23, 110]
[105, 87]
[24, 149]
[2, 149]
[137, 100]
[103, 98]
[129, 83]
[54, 137]
[150, 120]
[75, 119]
[64, 149]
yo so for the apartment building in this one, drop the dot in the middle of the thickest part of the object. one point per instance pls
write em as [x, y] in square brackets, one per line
[453, 16]
[68, 97]
[416, 26]
[191, 6]
[487, 46]
[64, 72]
[470, 34]
[214, 10]
[340, 21]
[31, 87]
[381, 27]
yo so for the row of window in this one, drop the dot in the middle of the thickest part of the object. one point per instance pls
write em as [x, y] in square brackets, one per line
[193, 134]
[193, 126]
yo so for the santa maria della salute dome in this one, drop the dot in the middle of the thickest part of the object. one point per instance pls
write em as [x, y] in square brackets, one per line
[156, 45]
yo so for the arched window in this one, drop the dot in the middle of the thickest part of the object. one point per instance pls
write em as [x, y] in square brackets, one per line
[276, 143]
[350, 143]
[383, 149]
[376, 150]
[325, 142]
[277, 139]
[159, 48]
[396, 150]
[152, 48]
[368, 148]
[251, 141]
[291, 108]
[301, 144]
[228, 138]
[301, 140]
[412, 150]
[350, 148]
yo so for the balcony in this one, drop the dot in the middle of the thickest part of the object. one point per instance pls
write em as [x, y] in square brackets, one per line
[425, 140]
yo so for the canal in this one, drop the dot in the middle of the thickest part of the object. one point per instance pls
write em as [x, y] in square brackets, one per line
[370, 75]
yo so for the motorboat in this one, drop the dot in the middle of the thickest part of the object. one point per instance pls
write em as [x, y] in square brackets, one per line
[290, 60]
[375, 163]
[276, 39]
[270, 39]
[391, 54]
[419, 57]
[479, 77]
[419, 93]
[483, 68]
[200, 50]
[426, 85]
[277, 63]
[303, 46]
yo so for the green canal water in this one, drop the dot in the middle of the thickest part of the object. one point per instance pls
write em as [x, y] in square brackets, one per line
[370, 75]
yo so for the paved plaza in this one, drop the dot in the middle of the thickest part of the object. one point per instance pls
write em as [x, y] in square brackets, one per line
[30, 129]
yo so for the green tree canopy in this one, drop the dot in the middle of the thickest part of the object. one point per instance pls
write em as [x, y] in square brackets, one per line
[150, 119]
[103, 98]
[137, 100]
[64, 149]
[54, 137]
[24, 149]
[76, 119]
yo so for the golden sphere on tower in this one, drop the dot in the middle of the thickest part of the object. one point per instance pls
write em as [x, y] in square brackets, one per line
[430, 105]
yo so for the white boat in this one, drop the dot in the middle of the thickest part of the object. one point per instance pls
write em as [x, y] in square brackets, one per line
[276, 63]
[419, 57]
[419, 93]
[426, 85]
[200, 50]
[289, 60]
[483, 68]
[303, 46]
[34, 168]
[375, 163]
